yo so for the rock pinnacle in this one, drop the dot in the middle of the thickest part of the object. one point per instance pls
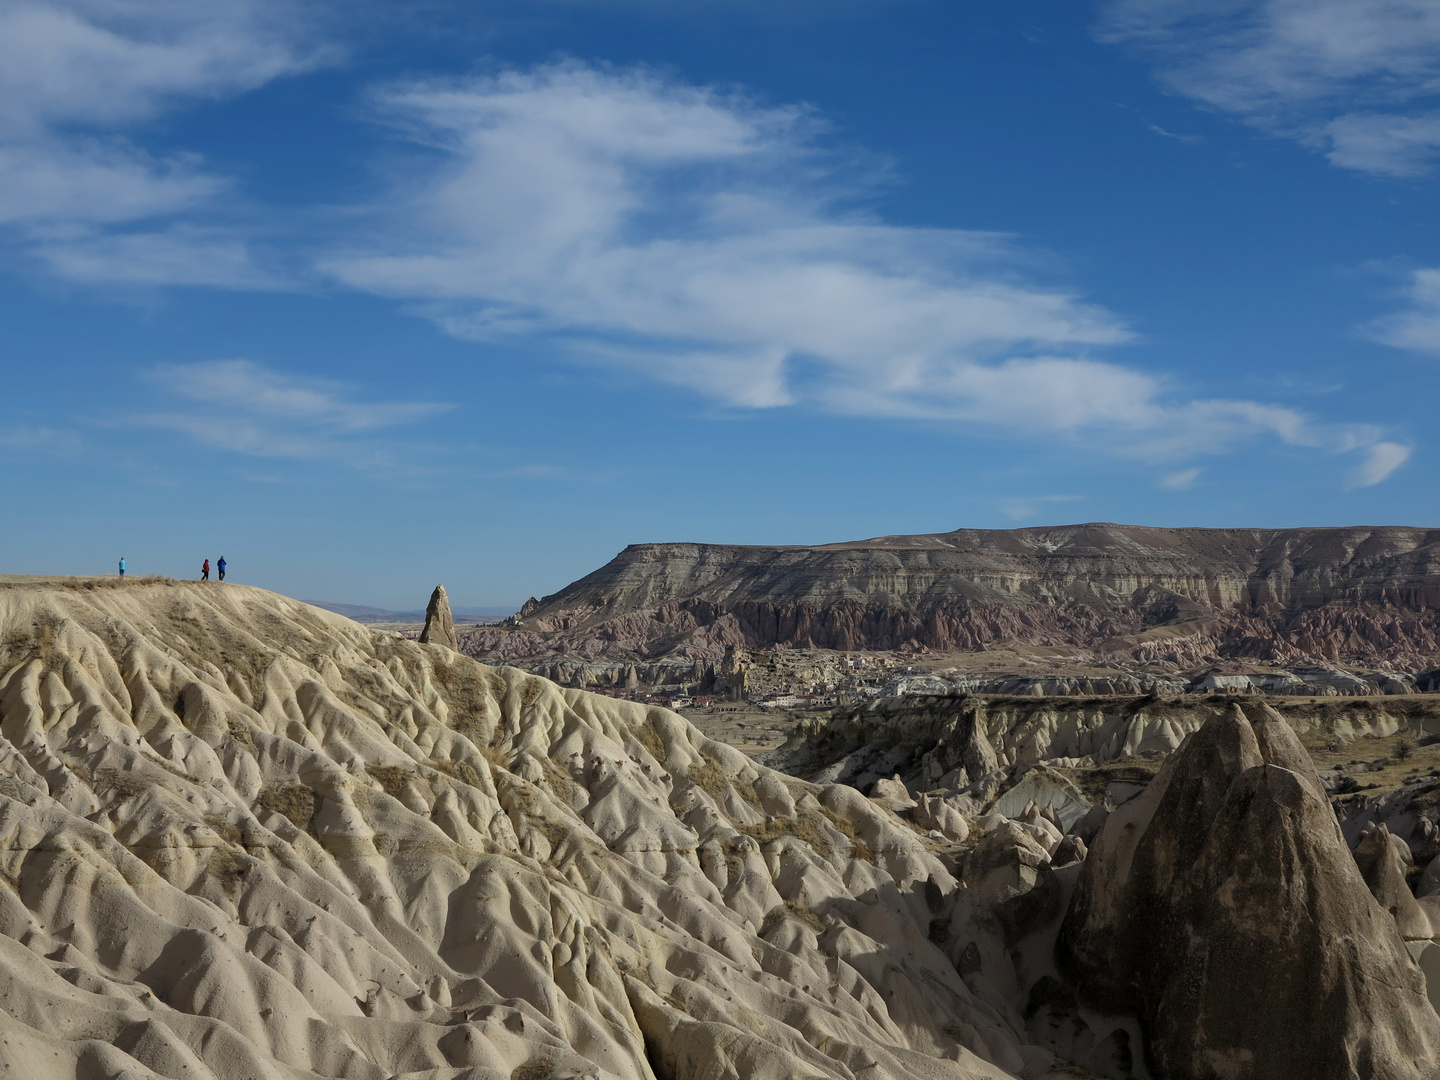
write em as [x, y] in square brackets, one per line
[439, 624]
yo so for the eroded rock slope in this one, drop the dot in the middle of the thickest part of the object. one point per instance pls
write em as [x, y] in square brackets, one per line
[1224, 905]
[242, 838]
[1151, 595]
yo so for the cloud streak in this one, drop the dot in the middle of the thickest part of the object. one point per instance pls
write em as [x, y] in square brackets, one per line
[1357, 80]
[702, 240]
[1377, 463]
[1415, 327]
[247, 408]
[76, 76]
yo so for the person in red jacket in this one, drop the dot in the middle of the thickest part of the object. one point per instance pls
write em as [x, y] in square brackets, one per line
[205, 571]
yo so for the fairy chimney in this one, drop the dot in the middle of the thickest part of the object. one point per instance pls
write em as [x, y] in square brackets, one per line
[439, 624]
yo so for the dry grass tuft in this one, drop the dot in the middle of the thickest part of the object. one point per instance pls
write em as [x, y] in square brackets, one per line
[496, 757]
[805, 914]
[241, 734]
[392, 778]
[227, 871]
[710, 776]
[296, 801]
[858, 847]
[458, 770]
[120, 785]
[808, 827]
[647, 737]
[90, 584]
[468, 688]
[539, 1069]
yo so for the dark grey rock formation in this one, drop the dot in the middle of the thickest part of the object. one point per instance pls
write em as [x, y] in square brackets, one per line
[439, 623]
[1224, 907]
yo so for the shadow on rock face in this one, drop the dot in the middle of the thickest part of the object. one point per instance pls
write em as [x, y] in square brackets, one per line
[1224, 906]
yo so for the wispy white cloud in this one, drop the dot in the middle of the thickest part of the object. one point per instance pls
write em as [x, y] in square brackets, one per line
[94, 182]
[1417, 325]
[1193, 140]
[1377, 463]
[700, 239]
[1180, 481]
[251, 409]
[1395, 145]
[652, 225]
[177, 255]
[112, 62]
[40, 439]
[1358, 80]
[76, 76]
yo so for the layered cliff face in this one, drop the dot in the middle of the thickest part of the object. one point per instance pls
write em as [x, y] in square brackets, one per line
[1177, 596]
[243, 838]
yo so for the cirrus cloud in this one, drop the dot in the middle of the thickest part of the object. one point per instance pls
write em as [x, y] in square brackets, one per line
[76, 78]
[703, 240]
[1358, 80]
[1417, 325]
[248, 408]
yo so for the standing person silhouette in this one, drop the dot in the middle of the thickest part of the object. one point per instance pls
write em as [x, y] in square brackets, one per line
[220, 566]
[122, 565]
[205, 571]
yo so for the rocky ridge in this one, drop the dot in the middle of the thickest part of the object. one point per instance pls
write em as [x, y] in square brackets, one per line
[1121, 594]
[243, 838]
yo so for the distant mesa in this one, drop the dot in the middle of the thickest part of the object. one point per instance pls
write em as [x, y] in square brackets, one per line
[1113, 595]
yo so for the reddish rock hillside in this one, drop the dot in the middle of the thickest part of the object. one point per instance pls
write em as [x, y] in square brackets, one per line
[1361, 595]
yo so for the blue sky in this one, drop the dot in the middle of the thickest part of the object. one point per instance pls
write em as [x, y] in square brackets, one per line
[366, 297]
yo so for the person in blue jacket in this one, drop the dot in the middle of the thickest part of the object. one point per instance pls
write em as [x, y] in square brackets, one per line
[220, 567]
[122, 565]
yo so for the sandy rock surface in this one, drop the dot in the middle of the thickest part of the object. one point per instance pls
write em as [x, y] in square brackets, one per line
[244, 838]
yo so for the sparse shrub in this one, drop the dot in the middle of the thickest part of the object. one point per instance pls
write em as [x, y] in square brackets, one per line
[647, 737]
[861, 850]
[709, 776]
[804, 913]
[468, 774]
[240, 733]
[296, 801]
[495, 756]
[392, 778]
[120, 785]
[1405, 748]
